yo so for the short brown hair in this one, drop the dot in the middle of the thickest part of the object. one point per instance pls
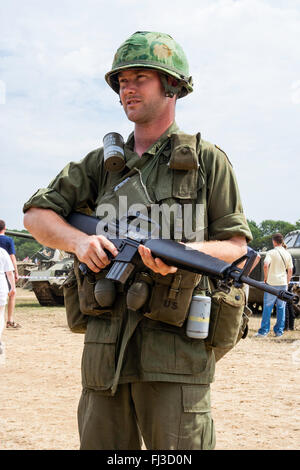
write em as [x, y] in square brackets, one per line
[2, 224]
[278, 238]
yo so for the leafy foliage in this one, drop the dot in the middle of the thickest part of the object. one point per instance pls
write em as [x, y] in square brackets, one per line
[25, 247]
[262, 233]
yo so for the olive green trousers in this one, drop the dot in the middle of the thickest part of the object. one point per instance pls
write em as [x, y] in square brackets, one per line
[167, 416]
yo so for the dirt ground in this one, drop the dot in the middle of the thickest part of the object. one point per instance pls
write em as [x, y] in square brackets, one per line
[255, 396]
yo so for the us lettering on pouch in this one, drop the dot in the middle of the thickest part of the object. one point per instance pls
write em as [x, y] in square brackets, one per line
[171, 303]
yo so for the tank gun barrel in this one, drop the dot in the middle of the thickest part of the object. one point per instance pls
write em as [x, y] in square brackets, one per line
[13, 233]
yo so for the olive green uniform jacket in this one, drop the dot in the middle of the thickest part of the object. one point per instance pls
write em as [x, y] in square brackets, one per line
[122, 346]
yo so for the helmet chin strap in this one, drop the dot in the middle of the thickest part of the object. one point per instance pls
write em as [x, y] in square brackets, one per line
[170, 90]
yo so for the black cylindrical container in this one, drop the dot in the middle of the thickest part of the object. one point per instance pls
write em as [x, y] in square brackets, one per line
[113, 145]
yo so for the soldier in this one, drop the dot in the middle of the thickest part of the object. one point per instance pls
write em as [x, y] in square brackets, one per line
[143, 377]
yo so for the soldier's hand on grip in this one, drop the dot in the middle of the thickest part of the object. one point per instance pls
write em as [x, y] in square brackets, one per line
[91, 251]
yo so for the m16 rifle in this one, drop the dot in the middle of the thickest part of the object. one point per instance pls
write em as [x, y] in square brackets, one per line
[172, 253]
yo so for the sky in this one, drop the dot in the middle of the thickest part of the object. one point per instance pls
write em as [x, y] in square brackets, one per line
[55, 105]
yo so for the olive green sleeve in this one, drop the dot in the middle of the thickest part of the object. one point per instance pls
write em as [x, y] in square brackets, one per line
[225, 212]
[75, 187]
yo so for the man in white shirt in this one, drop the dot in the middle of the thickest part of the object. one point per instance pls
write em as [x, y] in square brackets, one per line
[278, 269]
[6, 273]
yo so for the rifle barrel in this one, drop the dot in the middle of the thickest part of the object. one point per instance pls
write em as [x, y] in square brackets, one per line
[280, 293]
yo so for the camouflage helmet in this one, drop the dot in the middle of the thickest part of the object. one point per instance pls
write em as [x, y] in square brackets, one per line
[156, 51]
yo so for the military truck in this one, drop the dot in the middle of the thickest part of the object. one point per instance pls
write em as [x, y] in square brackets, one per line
[292, 241]
[255, 299]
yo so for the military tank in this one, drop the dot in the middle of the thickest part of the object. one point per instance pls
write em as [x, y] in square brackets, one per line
[44, 272]
[24, 269]
[46, 281]
[255, 299]
[25, 266]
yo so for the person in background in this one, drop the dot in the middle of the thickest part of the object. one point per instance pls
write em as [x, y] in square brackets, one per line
[6, 273]
[7, 244]
[278, 269]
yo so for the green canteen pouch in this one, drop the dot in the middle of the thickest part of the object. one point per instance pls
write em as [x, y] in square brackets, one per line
[171, 297]
[183, 152]
[86, 285]
[227, 320]
[185, 165]
[77, 322]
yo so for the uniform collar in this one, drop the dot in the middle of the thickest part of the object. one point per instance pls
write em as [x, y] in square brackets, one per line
[132, 158]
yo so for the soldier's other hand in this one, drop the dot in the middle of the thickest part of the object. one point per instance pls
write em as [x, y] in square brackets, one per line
[156, 264]
[91, 251]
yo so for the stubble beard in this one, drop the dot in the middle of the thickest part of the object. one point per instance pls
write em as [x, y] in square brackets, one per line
[146, 112]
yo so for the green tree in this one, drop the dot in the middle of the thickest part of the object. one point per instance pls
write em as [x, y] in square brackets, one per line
[262, 233]
[269, 227]
[256, 233]
[24, 246]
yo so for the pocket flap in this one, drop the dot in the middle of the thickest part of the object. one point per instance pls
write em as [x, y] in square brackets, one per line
[187, 279]
[163, 191]
[196, 399]
[102, 330]
[235, 298]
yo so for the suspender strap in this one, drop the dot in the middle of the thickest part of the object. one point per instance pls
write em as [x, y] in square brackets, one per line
[283, 260]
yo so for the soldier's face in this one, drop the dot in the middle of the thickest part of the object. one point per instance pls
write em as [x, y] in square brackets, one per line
[141, 94]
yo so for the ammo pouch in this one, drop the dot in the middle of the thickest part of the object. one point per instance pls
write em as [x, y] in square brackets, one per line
[171, 297]
[87, 302]
[228, 320]
[77, 322]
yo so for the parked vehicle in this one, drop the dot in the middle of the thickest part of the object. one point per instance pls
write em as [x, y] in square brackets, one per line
[255, 299]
